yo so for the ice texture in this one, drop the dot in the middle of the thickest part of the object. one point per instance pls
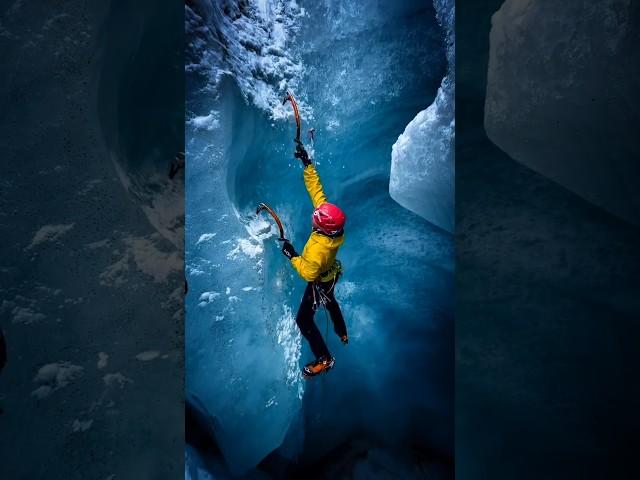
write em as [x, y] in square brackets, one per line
[243, 345]
[558, 73]
[423, 157]
[91, 274]
[361, 71]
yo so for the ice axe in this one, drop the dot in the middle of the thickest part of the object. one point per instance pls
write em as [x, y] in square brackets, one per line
[296, 114]
[264, 206]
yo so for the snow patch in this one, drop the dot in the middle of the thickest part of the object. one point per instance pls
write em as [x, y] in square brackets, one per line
[143, 252]
[207, 297]
[54, 376]
[346, 288]
[49, 233]
[103, 359]
[255, 54]
[208, 122]
[333, 124]
[205, 237]
[148, 355]
[26, 315]
[81, 425]
[260, 229]
[248, 247]
[98, 244]
[116, 379]
[290, 340]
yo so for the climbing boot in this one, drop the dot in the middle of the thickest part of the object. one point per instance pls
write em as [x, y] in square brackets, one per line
[321, 365]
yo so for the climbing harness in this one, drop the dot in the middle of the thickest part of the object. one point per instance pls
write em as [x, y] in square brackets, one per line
[320, 296]
[267, 208]
[296, 114]
[334, 271]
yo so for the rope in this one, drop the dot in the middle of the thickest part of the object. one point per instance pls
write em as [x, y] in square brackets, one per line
[326, 328]
[321, 301]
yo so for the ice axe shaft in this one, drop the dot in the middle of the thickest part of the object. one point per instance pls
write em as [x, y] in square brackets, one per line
[264, 206]
[296, 114]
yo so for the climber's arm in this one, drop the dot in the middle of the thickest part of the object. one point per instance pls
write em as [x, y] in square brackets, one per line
[311, 178]
[314, 187]
[306, 264]
[307, 269]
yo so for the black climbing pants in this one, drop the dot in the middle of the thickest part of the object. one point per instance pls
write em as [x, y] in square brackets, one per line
[307, 310]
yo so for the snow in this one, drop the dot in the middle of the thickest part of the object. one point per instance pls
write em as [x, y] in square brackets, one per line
[116, 380]
[205, 237]
[26, 315]
[146, 254]
[207, 297]
[558, 73]
[55, 376]
[103, 360]
[148, 355]
[255, 34]
[99, 244]
[206, 122]
[161, 200]
[49, 233]
[81, 425]
[246, 246]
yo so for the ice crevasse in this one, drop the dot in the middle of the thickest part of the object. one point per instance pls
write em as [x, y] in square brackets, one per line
[360, 71]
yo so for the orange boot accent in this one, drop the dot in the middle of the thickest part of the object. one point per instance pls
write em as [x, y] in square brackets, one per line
[321, 365]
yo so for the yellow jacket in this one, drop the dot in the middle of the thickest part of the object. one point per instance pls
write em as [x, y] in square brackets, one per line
[319, 254]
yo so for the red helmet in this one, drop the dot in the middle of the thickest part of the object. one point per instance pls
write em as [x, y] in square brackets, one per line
[328, 218]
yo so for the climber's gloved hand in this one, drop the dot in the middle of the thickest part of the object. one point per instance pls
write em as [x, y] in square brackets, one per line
[288, 250]
[302, 154]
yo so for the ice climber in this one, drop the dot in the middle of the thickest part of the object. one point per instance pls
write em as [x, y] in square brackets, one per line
[318, 266]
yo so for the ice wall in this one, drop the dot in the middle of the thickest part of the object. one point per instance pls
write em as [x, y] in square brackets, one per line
[90, 286]
[558, 72]
[361, 71]
[423, 163]
[242, 365]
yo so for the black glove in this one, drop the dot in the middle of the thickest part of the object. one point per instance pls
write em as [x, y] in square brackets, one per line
[288, 250]
[302, 154]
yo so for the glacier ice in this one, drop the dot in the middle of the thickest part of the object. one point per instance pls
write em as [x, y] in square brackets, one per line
[243, 345]
[360, 71]
[423, 163]
[560, 95]
[100, 93]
